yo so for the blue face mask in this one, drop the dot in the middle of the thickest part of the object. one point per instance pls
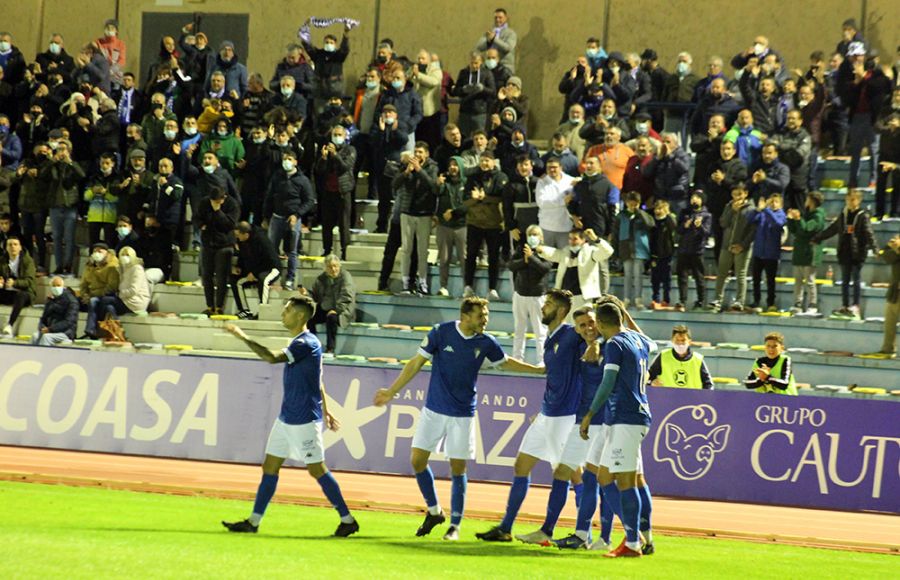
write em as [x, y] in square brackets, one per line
[371, 84]
[534, 241]
[592, 52]
[398, 84]
[337, 140]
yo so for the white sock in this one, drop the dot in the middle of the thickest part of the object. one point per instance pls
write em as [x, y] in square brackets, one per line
[347, 519]
[435, 509]
[582, 534]
[648, 536]
[636, 546]
[255, 519]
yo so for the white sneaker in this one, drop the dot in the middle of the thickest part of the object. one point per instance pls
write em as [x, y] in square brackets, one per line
[493, 296]
[600, 546]
[452, 534]
[7, 332]
[538, 537]
[638, 305]
[444, 292]
[288, 286]
[812, 311]
[468, 292]
[854, 311]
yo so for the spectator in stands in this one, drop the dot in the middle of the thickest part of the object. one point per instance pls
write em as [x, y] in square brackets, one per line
[571, 128]
[855, 239]
[12, 62]
[716, 102]
[613, 155]
[632, 231]
[153, 124]
[501, 37]
[604, 118]
[794, 149]
[559, 149]
[34, 204]
[130, 104]
[59, 318]
[499, 71]
[134, 140]
[451, 146]
[103, 203]
[100, 278]
[770, 175]
[416, 189]
[113, 49]
[593, 205]
[484, 222]
[891, 255]
[167, 145]
[290, 96]
[475, 89]
[671, 170]
[134, 190]
[257, 265]
[406, 101]
[760, 98]
[335, 297]
[290, 197]
[889, 167]
[426, 77]
[218, 216]
[163, 205]
[235, 73]
[807, 256]
[294, 65]
[772, 373]
[714, 69]
[510, 95]
[17, 282]
[747, 138]
[662, 248]
[679, 366]
[658, 80]
[388, 140]
[643, 93]
[451, 220]
[329, 63]
[10, 145]
[638, 174]
[509, 152]
[133, 293]
[529, 271]
[520, 208]
[579, 264]
[738, 229]
[334, 172]
[727, 172]
[125, 234]
[551, 195]
[7, 231]
[228, 148]
[706, 146]
[472, 156]
[640, 125]
[62, 176]
[770, 221]
[758, 50]
[254, 104]
[366, 121]
[680, 85]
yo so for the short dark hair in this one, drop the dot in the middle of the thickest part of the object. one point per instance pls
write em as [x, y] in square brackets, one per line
[739, 185]
[108, 155]
[423, 145]
[331, 37]
[578, 232]
[776, 336]
[471, 303]
[609, 315]
[503, 10]
[217, 193]
[14, 237]
[129, 74]
[768, 144]
[681, 329]
[633, 196]
[522, 159]
[582, 310]
[817, 55]
[478, 132]
[124, 219]
[560, 297]
[5, 216]
[816, 197]
[558, 135]
[305, 303]
[592, 40]
[244, 227]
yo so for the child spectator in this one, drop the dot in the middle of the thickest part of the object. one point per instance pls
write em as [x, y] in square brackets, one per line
[854, 241]
[451, 220]
[679, 366]
[662, 248]
[634, 246]
[102, 201]
[807, 256]
[769, 221]
[738, 230]
[694, 228]
[772, 373]
[530, 271]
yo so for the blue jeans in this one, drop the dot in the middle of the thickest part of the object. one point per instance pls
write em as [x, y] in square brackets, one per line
[90, 325]
[62, 224]
[281, 233]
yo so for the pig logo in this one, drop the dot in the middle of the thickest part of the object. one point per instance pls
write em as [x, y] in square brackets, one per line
[689, 440]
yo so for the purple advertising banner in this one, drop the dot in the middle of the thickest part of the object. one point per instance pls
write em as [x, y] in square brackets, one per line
[804, 451]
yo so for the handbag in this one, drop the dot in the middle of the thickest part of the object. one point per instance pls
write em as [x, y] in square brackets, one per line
[111, 329]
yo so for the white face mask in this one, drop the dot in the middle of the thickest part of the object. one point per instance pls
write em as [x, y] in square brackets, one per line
[209, 168]
[329, 47]
[642, 128]
[222, 132]
[490, 63]
[259, 140]
[287, 165]
[534, 241]
[574, 249]
[680, 349]
[170, 134]
[5, 46]
[758, 48]
[109, 33]
[125, 260]
[55, 48]
[287, 91]
[389, 120]
[106, 170]
[190, 131]
[98, 257]
[56, 291]
[337, 139]
[123, 231]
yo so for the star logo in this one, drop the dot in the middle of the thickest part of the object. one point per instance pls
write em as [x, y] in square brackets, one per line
[352, 418]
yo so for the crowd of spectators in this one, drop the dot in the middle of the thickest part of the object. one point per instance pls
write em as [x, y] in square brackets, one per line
[199, 153]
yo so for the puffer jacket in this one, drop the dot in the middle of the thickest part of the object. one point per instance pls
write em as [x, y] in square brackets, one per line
[671, 175]
[99, 279]
[134, 290]
[691, 238]
[61, 180]
[855, 237]
[769, 227]
[341, 165]
[61, 314]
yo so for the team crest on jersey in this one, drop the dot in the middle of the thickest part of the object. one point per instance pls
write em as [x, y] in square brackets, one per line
[555, 348]
[448, 348]
[681, 378]
[477, 352]
[689, 440]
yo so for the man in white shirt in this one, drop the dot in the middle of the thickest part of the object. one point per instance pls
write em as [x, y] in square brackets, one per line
[550, 194]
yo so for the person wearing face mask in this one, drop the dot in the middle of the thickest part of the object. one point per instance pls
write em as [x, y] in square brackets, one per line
[11, 60]
[103, 201]
[499, 71]
[641, 125]
[367, 95]
[133, 293]
[717, 101]
[254, 174]
[406, 101]
[163, 204]
[603, 109]
[17, 281]
[99, 278]
[225, 144]
[166, 146]
[509, 152]
[59, 317]
[134, 185]
[759, 49]
[153, 124]
[530, 272]
[295, 65]
[113, 49]
[235, 72]
[290, 196]
[475, 88]
[55, 59]
[679, 366]
[679, 87]
[291, 95]
[10, 146]
[501, 37]
[388, 141]
[329, 63]
[426, 77]
[451, 220]
[336, 184]
[624, 87]
[570, 127]
[694, 228]
[61, 178]
[34, 204]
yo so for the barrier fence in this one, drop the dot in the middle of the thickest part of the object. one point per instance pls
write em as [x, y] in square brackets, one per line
[802, 451]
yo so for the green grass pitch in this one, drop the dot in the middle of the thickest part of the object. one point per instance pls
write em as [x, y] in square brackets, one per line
[72, 532]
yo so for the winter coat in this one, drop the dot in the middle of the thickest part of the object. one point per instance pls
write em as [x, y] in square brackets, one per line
[428, 85]
[633, 234]
[520, 209]
[217, 227]
[748, 141]
[338, 294]
[475, 90]
[26, 279]
[811, 223]
[416, 192]
[738, 226]
[61, 314]
[289, 195]
[707, 153]
[258, 254]
[62, 181]
[103, 206]
[591, 201]
[855, 237]
[235, 74]
[408, 104]
[662, 237]
[485, 213]
[794, 148]
[164, 202]
[778, 176]
[99, 279]
[769, 228]
[338, 166]
[228, 149]
[718, 195]
[529, 278]
[33, 194]
[671, 175]
[451, 195]
[134, 290]
[692, 238]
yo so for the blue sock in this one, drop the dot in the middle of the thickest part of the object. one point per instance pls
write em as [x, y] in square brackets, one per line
[611, 500]
[588, 502]
[332, 491]
[646, 507]
[517, 494]
[458, 498]
[631, 512]
[606, 518]
[425, 479]
[579, 491]
[264, 493]
[559, 491]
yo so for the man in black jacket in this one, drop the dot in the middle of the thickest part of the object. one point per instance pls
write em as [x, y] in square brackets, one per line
[217, 216]
[706, 147]
[520, 209]
[59, 318]
[475, 88]
[336, 183]
[416, 189]
[388, 140]
[589, 206]
[258, 265]
[529, 286]
[289, 198]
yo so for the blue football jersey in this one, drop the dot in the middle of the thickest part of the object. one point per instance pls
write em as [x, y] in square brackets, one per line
[629, 352]
[562, 359]
[591, 377]
[455, 362]
[302, 377]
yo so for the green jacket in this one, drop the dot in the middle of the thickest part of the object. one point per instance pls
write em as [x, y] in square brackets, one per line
[230, 149]
[451, 195]
[810, 223]
[26, 278]
[33, 196]
[61, 180]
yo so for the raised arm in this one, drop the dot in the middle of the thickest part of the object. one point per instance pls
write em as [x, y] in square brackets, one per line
[412, 368]
[270, 356]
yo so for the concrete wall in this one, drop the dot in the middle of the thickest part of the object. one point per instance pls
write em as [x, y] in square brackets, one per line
[551, 34]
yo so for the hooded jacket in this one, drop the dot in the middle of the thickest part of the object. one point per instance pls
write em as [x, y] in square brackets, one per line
[61, 314]
[451, 195]
[289, 195]
[235, 74]
[408, 104]
[691, 238]
[854, 233]
[769, 227]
